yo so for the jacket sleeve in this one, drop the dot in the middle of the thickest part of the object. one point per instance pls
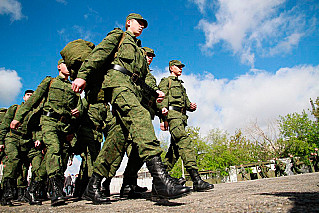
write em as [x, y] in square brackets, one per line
[187, 101]
[5, 125]
[150, 80]
[163, 86]
[34, 100]
[100, 56]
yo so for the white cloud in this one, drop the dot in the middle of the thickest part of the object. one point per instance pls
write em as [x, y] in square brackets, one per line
[75, 167]
[12, 8]
[250, 27]
[75, 32]
[257, 95]
[200, 4]
[10, 86]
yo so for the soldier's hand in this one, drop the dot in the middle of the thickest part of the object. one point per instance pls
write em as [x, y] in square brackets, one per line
[164, 126]
[75, 112]
[161, 96]
[15, 124]
[70, 162]
[37, 143]
[78, 85]
[1, 148]
[193, 106]
[164, 111]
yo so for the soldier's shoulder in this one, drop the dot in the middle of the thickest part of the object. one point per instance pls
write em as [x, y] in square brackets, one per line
[164, 79]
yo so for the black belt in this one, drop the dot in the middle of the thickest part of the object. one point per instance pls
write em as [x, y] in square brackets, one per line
[57, 116]
[179, 109]
[136, 79]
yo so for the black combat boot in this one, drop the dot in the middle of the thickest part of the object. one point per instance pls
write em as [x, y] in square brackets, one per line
[32, 195]
[163, 185]
[130, 189]
[198, 184]
[21, 195]
[42, 190]
[8, 192]
[180, 181]
[105, 189]
[93, 191]
[56, 188]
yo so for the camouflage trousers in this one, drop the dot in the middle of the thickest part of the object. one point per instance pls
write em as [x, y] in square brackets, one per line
[88, 147]
[57, 153]
[20, 153]
[131, 120]
[181, 145]
[134, 164]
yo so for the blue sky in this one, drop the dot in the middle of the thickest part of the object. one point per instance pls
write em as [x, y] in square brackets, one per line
[221, 42]
[247, 61]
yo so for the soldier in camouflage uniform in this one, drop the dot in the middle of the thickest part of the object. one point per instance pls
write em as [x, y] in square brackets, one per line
[295, 167]
[129, 186]
[2, 113]
[280, 168]
[89, 138]
[175, 104]
[263, 170]
[122, 85]
[60, 108]
[20, 148]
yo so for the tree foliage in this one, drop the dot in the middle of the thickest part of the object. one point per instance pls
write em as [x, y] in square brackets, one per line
[217, 151]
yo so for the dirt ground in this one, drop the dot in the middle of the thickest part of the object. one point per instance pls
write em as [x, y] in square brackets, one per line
[297, 193]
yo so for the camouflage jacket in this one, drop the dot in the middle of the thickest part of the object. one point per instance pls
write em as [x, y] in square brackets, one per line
[131, 57]
[8, 117]
[59, 98]
[175, 95]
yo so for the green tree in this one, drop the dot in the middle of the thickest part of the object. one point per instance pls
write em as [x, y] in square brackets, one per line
[299, 134]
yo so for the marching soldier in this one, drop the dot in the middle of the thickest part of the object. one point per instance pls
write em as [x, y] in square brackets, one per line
[175, 105]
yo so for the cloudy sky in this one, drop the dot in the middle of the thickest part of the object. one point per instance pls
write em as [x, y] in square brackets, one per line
[247, 60]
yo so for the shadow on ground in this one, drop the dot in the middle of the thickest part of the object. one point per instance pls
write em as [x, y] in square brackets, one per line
[302, 201]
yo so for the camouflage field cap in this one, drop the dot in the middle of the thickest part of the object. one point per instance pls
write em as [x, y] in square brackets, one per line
[176, 63]
[149, 50]
[137, 17]
[61, 61]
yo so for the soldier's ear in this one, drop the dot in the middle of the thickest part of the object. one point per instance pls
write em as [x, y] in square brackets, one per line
[128, 24]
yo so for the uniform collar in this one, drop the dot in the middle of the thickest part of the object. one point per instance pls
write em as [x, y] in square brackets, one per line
[176, 78]
[136, 40]
[62, 79]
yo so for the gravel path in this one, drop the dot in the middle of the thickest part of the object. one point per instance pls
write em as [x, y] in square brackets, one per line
[298, 193]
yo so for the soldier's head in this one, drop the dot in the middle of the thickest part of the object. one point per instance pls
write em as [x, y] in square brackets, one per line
[135, 23]
[149, 53]
[27, 94]
[176, 67]
[63, 70]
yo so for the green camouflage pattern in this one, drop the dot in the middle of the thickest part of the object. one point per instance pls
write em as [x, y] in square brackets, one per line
[20, 150]
[6, 120]
[181, 144]
[131, 118]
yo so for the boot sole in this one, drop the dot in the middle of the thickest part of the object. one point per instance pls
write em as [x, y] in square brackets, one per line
[58, 202]
[204, 190]
[163, 198]
[85, 197]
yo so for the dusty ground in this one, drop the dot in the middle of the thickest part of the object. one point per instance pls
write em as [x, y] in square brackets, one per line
[298, 193]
